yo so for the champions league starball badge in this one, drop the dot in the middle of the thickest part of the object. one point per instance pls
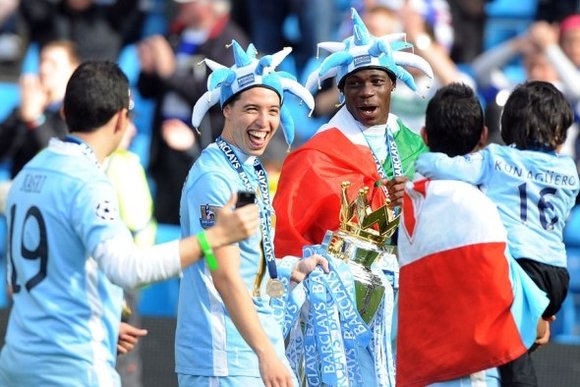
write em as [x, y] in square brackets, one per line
[106, 211]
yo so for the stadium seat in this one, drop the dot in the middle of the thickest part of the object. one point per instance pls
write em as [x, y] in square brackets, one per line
[128, 60]
[156, 20]
[9, 97]
[567, 326]
[506, 19]
[511, 9]
[160, 299]
[572, 230]
[31, 60]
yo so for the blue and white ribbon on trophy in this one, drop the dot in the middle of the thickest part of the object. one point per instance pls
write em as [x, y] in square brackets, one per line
[327, 334]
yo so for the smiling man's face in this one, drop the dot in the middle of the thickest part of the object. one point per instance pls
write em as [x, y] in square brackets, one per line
[367, 95]
[252, 120]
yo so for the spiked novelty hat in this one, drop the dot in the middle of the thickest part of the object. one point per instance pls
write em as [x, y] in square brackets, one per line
[363, 50]
[224, 82]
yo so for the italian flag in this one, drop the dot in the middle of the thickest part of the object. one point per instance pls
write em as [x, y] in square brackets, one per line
[465, 305]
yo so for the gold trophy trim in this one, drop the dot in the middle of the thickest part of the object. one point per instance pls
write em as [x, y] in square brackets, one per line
[361, 240]
[358, 219]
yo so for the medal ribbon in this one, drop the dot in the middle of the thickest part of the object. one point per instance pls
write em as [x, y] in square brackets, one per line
[319, 317]
[265, 212]
[351, 353]
[381, 327]
[355, 333]
[393, 153]
[311, 361]
[338, 330]
[295, 350]
[286, 308]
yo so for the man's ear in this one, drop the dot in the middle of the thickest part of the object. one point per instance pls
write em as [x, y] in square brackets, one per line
[424, 136]
[121, 118]
[226, 110]
[483, 138]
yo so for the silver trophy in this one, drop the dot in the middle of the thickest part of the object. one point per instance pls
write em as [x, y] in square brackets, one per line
[361, 241]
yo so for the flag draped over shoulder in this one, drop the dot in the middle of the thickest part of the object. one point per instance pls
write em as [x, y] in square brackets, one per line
[464, 304]
[307, 201]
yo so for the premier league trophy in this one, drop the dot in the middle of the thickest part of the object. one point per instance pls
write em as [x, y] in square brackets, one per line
[339, 323]
[361, 241]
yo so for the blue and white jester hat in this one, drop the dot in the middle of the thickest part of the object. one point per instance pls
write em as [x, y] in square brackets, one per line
[224, 82]
[363, 50]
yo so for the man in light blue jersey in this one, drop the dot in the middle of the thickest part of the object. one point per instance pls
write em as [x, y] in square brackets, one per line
[227, 331]
[70, 253]
[534, 189]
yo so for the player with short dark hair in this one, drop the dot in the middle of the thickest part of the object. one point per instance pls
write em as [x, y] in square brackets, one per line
[70, 253]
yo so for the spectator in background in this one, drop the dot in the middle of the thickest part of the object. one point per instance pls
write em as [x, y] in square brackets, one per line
[99, 29]
[542, 60]
[570, 37]
[125, 171]
[171, 76]
[427, 24]
[556, 10]
[317, 21]
[561, 47]
[31, 125]
[13, 40]
[468, 21]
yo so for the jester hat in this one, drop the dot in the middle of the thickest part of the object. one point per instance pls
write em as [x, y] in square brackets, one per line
[248, 71]
[363, 50]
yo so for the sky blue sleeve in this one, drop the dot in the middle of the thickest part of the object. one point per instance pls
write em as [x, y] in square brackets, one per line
[470, 168]
[95, 214]
[208, 192]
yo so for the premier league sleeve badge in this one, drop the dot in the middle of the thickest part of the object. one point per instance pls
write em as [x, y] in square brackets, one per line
[208, 215]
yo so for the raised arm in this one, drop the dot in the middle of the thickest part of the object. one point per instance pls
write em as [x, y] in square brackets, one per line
[130, 267]
[545, 36]
[468, 168]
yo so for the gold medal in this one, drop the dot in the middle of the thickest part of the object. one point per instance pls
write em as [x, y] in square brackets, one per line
[275, 288]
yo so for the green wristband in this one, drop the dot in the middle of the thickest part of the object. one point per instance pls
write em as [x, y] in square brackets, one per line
[207, 250]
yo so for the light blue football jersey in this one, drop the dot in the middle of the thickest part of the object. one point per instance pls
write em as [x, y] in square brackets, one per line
[534, 192]
[64, 323]
[207, 343]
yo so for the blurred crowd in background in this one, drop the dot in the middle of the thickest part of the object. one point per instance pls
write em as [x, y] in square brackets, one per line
[491, 45]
